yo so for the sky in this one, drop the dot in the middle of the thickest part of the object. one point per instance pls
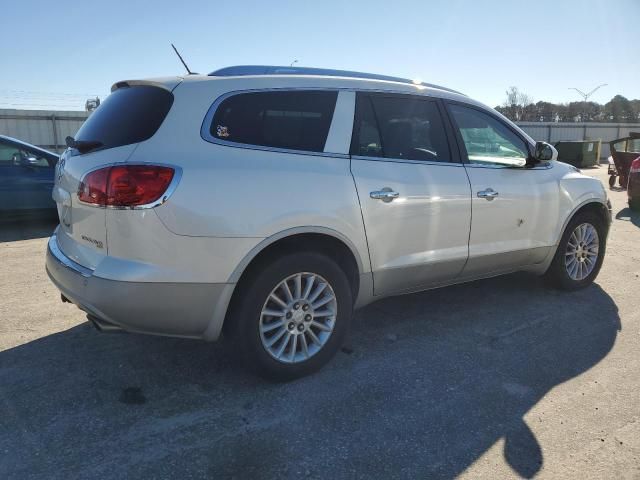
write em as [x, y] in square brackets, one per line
[56, 54]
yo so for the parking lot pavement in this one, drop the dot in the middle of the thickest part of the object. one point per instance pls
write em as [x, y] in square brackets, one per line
[492, 379]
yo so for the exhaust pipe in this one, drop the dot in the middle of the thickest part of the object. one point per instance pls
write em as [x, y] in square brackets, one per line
[104, 326]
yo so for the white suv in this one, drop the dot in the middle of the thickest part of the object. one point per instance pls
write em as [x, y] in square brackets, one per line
[268, 202]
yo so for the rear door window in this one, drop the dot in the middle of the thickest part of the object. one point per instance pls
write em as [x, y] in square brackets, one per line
[293, 120]
[399, 127]
[129, 115]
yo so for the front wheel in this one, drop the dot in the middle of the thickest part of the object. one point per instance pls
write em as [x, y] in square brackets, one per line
[293, 315]
[580, 253]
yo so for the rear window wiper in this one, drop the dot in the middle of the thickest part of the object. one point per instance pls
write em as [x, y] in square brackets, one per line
[83, 146]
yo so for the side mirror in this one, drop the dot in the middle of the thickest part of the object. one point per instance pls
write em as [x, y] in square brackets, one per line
[545, 152]
[28, 161]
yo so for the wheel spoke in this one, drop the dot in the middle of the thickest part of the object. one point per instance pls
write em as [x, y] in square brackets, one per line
[272, 326]
[322, 301]
[298, 285]
[284, 345]
[273, 313]
[588, 236]
[277, 299]
[573, 240]
[273, 340]
[574, 269]
[294, 346]
[323, 313]
[317, 292]
[314, 338]
[287, 291]
[307, 288]
[305, 347]
[320, 326]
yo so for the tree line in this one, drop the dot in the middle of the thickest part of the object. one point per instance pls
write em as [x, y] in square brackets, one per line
[520, 107]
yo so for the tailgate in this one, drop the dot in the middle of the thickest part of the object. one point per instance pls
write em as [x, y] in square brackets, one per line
[82, 235]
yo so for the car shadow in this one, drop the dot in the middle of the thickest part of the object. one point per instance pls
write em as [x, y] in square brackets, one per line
[27, 227]
[426, 384]
[628, 215]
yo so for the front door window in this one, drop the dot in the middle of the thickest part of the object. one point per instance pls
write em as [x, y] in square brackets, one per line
[487, 141]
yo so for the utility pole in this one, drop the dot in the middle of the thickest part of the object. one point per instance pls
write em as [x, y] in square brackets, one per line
[585, 97]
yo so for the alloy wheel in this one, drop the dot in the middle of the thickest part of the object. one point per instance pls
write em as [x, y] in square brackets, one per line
[298, 317]
[581, 254]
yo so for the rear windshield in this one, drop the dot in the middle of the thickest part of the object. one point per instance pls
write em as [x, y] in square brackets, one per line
[128, 115]
[294, 120]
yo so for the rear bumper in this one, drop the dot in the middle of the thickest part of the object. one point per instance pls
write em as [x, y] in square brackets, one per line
[192, 310]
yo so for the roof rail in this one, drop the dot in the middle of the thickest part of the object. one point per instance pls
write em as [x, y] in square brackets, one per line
[242, 70]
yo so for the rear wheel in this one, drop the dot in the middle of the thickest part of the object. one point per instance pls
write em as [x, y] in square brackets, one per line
[580, 253]
[293, 315]
[612, 181]
[622, 181]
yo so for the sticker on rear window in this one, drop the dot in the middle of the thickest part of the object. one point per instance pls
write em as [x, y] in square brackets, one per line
[222, 131]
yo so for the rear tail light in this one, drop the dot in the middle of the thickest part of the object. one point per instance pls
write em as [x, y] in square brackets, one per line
[635, 166]
[125, 186]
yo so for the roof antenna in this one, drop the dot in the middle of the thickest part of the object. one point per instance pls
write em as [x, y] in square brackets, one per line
[183, 62]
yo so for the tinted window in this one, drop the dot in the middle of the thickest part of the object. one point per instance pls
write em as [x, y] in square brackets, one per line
[296, 120]
[487, 140]
[401, 128]
[128, 115]
[17, 156]
[629, 145]
[366, 139]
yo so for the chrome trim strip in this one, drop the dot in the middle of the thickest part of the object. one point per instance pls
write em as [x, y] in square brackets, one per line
[54, 249]
[415, 162]
[547, 166]
[177, 176]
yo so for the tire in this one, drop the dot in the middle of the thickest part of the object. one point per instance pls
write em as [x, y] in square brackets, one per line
[250, 324]
[622, 181]
[558, 274]
[612, 181]
[634, 204]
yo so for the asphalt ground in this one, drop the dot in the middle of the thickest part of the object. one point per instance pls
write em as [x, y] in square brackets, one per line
[493, 379]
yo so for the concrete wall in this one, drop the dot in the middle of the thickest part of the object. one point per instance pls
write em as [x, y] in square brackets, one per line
[554, 132]
[44, 128]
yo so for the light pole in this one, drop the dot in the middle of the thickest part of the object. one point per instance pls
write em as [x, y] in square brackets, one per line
[585, 96]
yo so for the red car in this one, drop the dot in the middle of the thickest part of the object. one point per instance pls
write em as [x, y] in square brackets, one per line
[625, 165]
[633, 187]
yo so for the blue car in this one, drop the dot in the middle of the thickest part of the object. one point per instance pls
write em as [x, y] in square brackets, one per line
[26, 178]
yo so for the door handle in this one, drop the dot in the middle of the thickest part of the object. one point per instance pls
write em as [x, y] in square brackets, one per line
[386, 195]
[488, 194]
